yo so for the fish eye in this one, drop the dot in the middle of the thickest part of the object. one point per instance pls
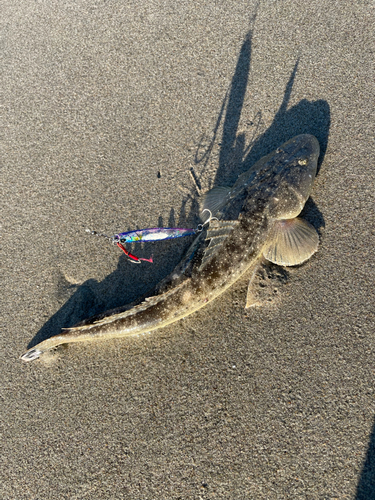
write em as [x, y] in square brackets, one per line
[122, 240]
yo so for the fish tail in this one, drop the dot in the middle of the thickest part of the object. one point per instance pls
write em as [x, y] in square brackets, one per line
[31, 354]
[46, 345]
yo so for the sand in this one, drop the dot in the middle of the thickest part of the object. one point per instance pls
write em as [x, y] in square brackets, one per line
[115, 115]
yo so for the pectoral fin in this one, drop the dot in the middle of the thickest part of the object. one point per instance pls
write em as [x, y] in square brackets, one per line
[292, 242]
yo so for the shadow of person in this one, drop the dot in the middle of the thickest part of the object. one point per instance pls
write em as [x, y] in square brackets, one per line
[128, 281]
[366, 484]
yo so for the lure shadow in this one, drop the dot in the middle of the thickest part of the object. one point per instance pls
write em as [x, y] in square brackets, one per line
[129, 281]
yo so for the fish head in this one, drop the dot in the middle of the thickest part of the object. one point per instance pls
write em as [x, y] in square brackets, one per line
[291, 171]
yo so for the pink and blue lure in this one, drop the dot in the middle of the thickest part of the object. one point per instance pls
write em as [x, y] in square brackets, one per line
[151, 234]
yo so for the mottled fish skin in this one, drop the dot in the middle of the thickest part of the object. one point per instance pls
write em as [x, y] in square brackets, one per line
[275, 188]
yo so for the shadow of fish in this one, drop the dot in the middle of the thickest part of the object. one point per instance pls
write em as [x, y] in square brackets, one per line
[255, 218]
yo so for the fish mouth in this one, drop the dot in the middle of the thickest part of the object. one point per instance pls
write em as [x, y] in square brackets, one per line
[303, 147]
[301, 155]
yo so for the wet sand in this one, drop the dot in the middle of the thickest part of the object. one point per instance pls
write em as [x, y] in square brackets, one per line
[116, 115]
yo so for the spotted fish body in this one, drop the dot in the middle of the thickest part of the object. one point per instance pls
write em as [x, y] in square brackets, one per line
[256, 217]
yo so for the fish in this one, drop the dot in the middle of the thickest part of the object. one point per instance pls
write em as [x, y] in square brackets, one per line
[256, 218]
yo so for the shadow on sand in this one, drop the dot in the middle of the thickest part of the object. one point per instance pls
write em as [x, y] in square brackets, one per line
[366, 484]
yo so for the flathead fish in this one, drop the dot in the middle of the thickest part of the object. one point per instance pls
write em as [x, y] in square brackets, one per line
[257, 217]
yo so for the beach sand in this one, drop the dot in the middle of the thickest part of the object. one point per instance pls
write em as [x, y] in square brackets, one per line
[116, 115]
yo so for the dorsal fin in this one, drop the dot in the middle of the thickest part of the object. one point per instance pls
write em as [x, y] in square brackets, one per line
[147, 302]
[215, 199]
[217, 233]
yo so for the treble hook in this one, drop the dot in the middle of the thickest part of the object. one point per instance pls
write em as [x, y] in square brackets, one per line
[200, 227]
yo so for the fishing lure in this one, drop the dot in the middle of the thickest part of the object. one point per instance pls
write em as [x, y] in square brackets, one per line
[152, 234]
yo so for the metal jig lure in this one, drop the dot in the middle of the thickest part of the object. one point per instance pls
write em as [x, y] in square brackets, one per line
[151, 234]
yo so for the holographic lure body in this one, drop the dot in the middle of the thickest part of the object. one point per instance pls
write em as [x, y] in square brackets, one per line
[153, 234]
[150, 234]
[147, 235]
